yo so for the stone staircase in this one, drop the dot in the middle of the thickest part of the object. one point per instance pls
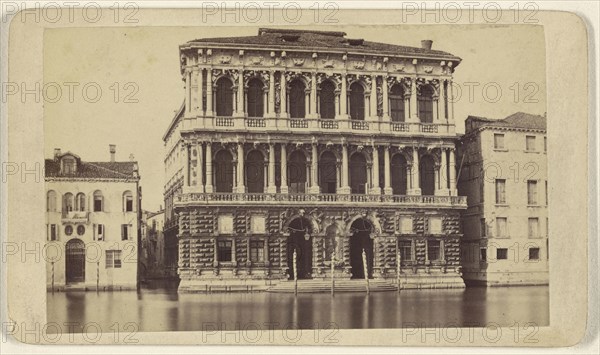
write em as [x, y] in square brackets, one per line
[314, 286]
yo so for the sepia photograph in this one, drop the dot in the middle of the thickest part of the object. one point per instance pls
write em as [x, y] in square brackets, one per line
[294, 178]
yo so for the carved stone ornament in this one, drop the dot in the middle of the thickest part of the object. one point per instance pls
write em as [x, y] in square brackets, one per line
[225, 59]
[428, 69]
[399, 67]
[256, 60]
[359, 65]
[298, 62]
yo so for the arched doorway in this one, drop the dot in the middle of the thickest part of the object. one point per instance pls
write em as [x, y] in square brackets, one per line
[427, 175]
[358, 173]
[223, 164]
[255, 172]
[300, 240]
[75, 261]
[297, 172]
[327, 100]
[425, 99]
[328, 173]
[357, 101]
[397, 103]
[361, 240]
[399, 174]
[255, 98]
[224, 97]
[297, 99]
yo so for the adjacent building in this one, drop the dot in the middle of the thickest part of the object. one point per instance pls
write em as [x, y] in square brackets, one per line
[159, 257]
[295, 149]
[91, 222]
[504, 176]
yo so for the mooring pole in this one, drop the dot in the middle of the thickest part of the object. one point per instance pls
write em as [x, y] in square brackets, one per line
[97, 276]
[53, 277]
[295, 274]
[366, 269]
[332, 271]
[398, 261]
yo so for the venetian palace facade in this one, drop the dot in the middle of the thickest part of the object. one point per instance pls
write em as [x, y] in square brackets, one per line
[312, 144]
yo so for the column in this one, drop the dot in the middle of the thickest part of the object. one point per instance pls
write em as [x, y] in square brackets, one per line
[200, 91]
[209, 93]
[307, 103]
[240, 94]
[344, 99]
[386, 101]
[436, 107]
[443, 174]
[450, 103]
[271, 188]
[416, 185]
[314, 168]
[271, 107]
[376, 190]
[209, 171]
[452, 175]
[186, 165]
[188, 91]
[199, 172]
[387, 189]
[313, 96]
[284, 182]
[345, 189]
[240, 188]
[373, 100]
[414, 115]
[442, 103]
[283, 97]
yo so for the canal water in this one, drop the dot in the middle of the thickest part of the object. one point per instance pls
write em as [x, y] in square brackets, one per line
[161, 308]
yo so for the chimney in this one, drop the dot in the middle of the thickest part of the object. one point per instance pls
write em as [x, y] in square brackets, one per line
[113, 150]
[56, 153]
[426, 44]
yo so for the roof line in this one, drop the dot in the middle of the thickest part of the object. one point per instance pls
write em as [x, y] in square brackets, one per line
[101, 167]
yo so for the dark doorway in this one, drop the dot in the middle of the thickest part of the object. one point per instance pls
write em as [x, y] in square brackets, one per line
[297, 99]
[223, 171]
[255, 172]
[360, 240]
[328, 173]
[399, 174]
[358, 173]
[75, 261]
[427, 175]
[357, 102]
[224, 97]
[300, 240]
[397, 103]
[327, 100]
[255, 98]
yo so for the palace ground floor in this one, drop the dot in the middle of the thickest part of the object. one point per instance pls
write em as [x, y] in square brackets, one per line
[233, 246]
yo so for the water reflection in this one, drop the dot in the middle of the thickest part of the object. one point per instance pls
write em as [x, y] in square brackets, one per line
[158, 308]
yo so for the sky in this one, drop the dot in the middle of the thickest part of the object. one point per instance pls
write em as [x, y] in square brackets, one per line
[117, 85]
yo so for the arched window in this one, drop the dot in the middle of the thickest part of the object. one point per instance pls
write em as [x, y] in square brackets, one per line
[80, 202]
[224, 97]
[425, 99]
[397, 103]
[98, 201]
[398, 174]
[358, 173]
[68, 202]
[255, 172]
[255, 98]
[357, 101]
[223, 164]
[328, 173]
[127, 201]
[297, 99]
[51, 201]
[297, 172]
[327, 100]
[427, 175]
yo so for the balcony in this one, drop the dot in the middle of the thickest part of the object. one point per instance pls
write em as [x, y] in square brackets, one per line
[320, 199]
[312, 125]
[75, 217]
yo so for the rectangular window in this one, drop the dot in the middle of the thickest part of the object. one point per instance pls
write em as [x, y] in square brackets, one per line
[501, 253]
[482, 227]
[129, 204]
[124, 231]
[534, 228]
[534, 253]
[501, 227]
[498, 141]
[224, 249]
[500, 191]
[113, 259]
[532, 192]
[481, 190]
[545, 148]
[433, 250]
[100, 232]
[257, 251]
[97, 204]
[530, 143]
[53, 233]
[405, 250]
[483, 255]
